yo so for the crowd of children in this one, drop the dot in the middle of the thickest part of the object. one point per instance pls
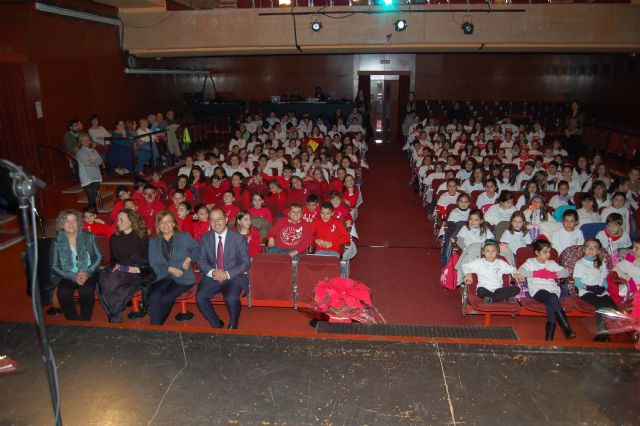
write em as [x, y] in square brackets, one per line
[495, 189]
[268, 169]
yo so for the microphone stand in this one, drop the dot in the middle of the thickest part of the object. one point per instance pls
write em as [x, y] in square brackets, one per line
[24, 188]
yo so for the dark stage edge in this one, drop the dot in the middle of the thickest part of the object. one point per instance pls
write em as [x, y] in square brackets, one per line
[131, 377]
[407, 330]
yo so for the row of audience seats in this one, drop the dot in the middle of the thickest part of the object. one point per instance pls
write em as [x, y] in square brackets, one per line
[526, 306]
[275, 280]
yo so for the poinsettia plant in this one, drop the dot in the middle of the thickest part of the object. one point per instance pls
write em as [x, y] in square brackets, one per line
[346, 298]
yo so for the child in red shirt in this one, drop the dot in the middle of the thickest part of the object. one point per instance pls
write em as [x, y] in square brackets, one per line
[230, 210]
[340, 211]
[94, 225]
[184, 217]
[257, 208]
[291, 235]
[250, 233]
[329, 234]
[122, 193]
[239, 192]
[351, 192]
[156, 181]
[276, 195]
[200, 226]
[176, 198]
[214, 192]
[337, 183]
[150, 208]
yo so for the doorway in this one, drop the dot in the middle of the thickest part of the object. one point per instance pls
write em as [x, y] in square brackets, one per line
[386, 93]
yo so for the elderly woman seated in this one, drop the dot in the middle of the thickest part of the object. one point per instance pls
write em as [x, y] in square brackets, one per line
[171, 254]
[74, 261]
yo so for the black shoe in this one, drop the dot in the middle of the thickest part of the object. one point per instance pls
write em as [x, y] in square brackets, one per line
[232, 327]
[602, 338]
[313, 323]
[115, 318]
[488, 300]
[549, 331]
[563, 322]
[218, 324]
[54, 311]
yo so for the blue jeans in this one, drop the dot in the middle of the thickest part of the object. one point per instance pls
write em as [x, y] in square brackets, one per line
[327, 253]
[142, 156]
[280, 250]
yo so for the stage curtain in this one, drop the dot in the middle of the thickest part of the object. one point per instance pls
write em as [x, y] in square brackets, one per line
[17, 134]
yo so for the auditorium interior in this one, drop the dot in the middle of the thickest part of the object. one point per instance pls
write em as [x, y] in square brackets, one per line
[387, 106]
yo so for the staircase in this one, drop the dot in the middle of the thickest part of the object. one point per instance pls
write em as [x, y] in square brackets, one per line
[12, 245]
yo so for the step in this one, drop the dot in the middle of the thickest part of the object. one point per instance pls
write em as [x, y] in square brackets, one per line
[8, 240]
[107, 196]
[9, 222]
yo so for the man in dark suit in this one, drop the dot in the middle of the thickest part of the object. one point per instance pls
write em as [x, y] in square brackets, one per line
[224, 261]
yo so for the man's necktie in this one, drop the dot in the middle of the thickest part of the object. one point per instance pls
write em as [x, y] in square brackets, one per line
[220, 255]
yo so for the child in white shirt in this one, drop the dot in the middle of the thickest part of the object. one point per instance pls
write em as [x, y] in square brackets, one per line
[490, 195]
[569, 235]
[490, 270]
[475, 231]
[618, 205]
[541, 274]
[590, 278]
[612, 237]
[562, 198]
[516, 236]
[587, 213]
[459, 214]
[449, 197]
[502, 211]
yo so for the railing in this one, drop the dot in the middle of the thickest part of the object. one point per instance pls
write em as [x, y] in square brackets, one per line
[132, 146]
[70, 158]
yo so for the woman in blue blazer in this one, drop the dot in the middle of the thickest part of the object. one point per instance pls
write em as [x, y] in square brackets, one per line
[171, 254]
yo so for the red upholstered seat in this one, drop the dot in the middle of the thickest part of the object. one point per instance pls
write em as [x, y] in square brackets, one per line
[580, 305]
[311, 269]
[270, 278]
[533, 305]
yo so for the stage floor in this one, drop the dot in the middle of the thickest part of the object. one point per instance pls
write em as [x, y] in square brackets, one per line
[111, 376]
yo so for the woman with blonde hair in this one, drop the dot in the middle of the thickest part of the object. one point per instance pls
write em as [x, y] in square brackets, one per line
[74, 259]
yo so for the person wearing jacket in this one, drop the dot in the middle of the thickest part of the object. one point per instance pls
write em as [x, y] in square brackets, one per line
[89, 161]
[74, 260]
[171, 255]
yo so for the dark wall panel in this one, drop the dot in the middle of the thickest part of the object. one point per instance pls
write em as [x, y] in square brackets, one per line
[79, 70]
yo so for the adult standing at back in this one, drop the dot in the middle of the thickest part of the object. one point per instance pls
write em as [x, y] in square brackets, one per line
[411, 109]
[224, 261]
[573, 130]
[89, 161]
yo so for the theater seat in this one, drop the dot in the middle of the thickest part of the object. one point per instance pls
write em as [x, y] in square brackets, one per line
[533, 305]
[590, 230]
[525, 253]
[183, 299]
[311, 269]
[270, 280]
[487, 309]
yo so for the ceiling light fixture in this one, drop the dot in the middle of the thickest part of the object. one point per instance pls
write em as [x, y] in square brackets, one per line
[401, 25]
[316, 26]
[467, 27]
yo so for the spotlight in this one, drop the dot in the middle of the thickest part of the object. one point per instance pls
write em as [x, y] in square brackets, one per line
[387, 2]
[316, 26]
[284, 2]
[401, 25]
[467, 28]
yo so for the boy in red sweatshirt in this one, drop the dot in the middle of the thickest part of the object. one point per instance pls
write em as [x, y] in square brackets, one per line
[150, 208]
[230, 210]
[329, 233]
[292, 235]
[94, 225]
[340, 211]
[122, 193]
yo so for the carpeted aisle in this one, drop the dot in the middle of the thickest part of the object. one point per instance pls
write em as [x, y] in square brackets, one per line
[397, 255]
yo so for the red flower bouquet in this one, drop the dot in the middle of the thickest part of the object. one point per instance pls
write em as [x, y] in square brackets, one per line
[346, 299]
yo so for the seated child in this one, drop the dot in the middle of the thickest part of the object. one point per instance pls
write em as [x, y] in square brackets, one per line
[449, 197]
[229, 209]
[490, 270]
[200, 226]
[590, 278]
[502, 211]
[569, 235]
[541, 274]
[150, 208]
[474, 231]
[490, 195]
[156, 181]
[517, 235]
[562, 198]
[184, 216]
[94, 225]
[618, 205]
[588, 212]
[629, 270]
[612, 237]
